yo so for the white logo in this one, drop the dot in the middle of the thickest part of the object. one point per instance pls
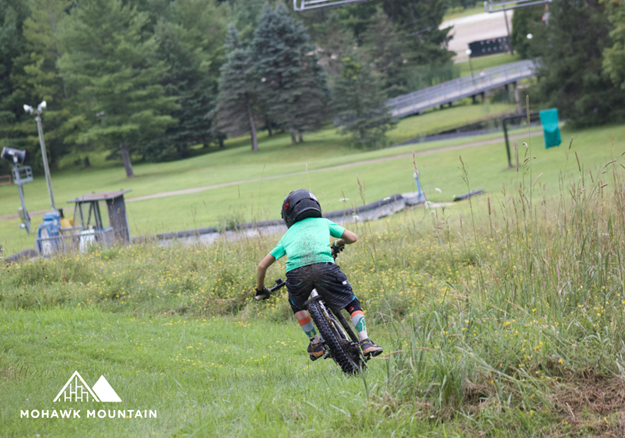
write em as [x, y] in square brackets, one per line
[76, 389]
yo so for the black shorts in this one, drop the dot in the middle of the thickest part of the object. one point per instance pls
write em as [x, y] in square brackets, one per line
[327, 278]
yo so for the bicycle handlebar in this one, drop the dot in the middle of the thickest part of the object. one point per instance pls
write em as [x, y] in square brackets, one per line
[279, 284]
[336, 249]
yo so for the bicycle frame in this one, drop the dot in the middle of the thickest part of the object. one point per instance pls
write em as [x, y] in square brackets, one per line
[334, 318]
[344, 326]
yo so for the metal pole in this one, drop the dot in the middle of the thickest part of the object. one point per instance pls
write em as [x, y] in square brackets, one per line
[45, 161]
[505, 16]
[505, 133]
[420, 192]
[471, 67]
[18, 181]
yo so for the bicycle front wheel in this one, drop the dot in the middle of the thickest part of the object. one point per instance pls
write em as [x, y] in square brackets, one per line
[332, 337]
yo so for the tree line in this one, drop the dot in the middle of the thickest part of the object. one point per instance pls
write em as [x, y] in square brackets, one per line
[578, 45]
[151, 79]
[154, 79]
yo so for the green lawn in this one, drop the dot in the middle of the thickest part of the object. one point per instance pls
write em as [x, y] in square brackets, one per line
[204, 377]
[237, 163]
[259, 200]
[437, 120]
[501, 317]
[484, 62]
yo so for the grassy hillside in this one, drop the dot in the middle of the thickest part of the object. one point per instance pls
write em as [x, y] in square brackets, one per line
[501, 317]
[484, 62]
[237, 163]
[260, 200]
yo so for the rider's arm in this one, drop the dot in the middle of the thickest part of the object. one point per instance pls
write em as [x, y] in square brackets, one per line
[262, 270]
[347, 238]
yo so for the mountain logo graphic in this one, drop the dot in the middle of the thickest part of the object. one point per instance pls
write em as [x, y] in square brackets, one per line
[76, 389]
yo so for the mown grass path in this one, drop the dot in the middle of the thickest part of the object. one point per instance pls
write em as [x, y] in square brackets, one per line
[326, 169]
[213, 377]
[505, 321]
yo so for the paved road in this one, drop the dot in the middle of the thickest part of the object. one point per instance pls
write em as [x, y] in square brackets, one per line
[475, 28]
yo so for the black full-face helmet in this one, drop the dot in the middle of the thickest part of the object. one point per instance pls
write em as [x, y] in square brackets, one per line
[298, 205]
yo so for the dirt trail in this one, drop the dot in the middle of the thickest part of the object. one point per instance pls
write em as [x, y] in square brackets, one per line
[324, 169]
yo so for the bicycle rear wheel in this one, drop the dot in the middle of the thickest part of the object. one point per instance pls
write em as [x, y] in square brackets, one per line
[333, 338]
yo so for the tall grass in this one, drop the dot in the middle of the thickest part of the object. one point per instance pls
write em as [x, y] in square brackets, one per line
[510, 316]
[531, 326]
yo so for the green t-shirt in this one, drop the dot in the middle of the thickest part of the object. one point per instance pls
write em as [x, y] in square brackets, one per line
[307, 242]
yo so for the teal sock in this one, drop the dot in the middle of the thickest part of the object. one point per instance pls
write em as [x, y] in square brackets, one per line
[358, 320]
[308, 327]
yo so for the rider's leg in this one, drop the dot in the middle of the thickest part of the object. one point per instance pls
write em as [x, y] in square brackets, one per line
[369, 348]
[305, 321]
[315, 349]
[358, 318]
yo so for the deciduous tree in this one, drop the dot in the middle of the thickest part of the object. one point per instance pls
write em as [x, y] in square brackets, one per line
[111, 62]
[524, 22]
[614, 55]
[572, 74]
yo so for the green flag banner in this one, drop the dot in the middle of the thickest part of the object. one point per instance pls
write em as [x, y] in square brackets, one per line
[551, 131]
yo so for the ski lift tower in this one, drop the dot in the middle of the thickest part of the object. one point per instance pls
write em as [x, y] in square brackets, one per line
[309, 5]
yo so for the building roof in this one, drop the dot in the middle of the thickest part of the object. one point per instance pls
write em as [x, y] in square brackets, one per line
[92, 197]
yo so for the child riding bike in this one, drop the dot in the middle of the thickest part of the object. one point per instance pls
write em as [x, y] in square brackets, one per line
[311, 266]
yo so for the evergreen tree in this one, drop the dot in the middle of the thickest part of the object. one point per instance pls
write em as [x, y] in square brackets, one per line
[202, 26]
[110, 61]
[243, 14]
[191, 46]
[360, 103]
[420, 20]
[334, 42]
[525, 21]
[183, 81]
[357, 18]
[12, 96]
[238, 91]
[41, 76]
[572, 76]
[156, 10]
[232, 40]
[311, 97]
[389, 53]
[286, 63]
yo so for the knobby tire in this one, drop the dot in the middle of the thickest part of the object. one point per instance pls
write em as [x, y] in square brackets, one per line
[339, 354]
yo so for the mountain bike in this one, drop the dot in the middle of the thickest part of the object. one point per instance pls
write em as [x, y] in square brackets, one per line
[339, 341]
